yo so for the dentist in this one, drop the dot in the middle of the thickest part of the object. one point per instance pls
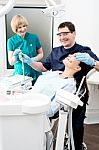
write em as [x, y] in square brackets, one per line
[67, 34]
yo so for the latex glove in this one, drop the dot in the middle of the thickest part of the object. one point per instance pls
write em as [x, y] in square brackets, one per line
[34, 58]
[86, 58]
[16, 53]
[26, 59]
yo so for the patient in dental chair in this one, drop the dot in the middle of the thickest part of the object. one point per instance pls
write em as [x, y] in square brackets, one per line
[49, 83]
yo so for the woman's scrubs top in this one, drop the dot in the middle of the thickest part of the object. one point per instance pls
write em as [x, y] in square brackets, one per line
[29, 46]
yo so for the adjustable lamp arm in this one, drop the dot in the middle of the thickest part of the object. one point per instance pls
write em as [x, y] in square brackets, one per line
[5, 9]
[53, 9]
[51, 2]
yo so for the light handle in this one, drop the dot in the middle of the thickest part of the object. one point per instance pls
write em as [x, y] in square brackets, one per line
[5, 9]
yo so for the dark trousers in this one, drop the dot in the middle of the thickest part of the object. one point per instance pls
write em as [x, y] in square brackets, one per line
[78, 126]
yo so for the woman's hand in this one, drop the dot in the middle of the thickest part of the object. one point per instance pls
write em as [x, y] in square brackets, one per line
[16, 53]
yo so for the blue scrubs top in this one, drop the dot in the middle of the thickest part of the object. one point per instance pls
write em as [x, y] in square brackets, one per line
[55, 60]
[29, 45]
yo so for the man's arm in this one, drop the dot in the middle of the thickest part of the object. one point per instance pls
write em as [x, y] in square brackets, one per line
[38, 66]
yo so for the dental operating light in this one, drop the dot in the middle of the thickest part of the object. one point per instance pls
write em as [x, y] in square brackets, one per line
[53, 10]
[7, 7]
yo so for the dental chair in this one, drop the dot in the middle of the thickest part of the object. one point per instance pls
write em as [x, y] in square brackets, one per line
[62, 135]
[68, 102]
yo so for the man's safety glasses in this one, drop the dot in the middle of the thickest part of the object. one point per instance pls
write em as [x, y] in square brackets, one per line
[63, 33]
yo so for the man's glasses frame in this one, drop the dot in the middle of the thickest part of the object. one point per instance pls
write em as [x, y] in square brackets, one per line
[63, 33]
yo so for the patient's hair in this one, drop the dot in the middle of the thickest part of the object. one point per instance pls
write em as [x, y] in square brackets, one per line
[78, 77]
[83, 71]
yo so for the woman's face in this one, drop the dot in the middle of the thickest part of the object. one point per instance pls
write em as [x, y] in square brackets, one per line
[71, 61]
[22, 29]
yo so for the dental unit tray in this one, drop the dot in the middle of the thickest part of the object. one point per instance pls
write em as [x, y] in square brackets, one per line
[10, 82]
[67, 98]
[68, 101]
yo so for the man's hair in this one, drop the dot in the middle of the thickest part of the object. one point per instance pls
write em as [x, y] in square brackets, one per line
[69, 25]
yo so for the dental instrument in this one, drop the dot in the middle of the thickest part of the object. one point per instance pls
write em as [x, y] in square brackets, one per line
[13, 83]
[23, 69]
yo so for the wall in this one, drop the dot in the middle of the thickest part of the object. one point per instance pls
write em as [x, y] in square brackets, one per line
[84, 14]
[2, 46]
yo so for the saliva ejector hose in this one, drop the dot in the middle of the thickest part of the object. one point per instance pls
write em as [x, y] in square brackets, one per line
[23, 69]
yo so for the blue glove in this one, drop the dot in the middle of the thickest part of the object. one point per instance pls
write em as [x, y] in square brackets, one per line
[26, 59]
[34, 58]
[86, 58]
[16, 53]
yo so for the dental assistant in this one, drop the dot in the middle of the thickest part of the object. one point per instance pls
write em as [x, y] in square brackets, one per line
[24, 42]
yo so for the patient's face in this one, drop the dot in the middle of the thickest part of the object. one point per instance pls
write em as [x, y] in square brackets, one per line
[71, 61]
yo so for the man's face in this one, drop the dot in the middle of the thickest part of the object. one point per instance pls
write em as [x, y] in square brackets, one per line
[66, 38]
[71, 62]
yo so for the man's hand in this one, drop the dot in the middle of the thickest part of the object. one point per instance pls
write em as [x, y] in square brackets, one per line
[86, 58]
[26, 59]
[34, 58]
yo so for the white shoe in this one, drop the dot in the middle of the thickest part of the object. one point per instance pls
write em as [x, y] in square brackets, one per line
[84, 146]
